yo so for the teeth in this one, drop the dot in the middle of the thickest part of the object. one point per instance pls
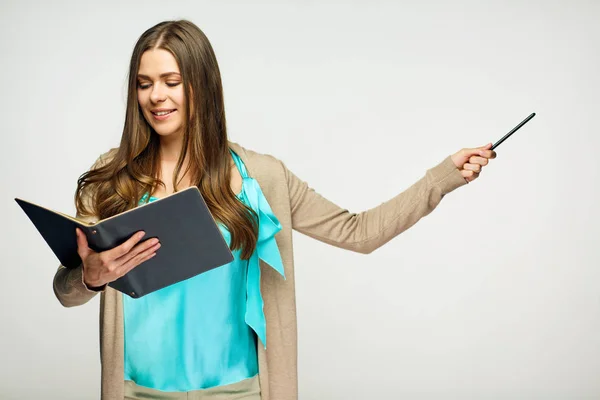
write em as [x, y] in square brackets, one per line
[162, 113]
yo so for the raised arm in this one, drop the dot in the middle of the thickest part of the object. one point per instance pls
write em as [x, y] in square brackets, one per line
[364, 232]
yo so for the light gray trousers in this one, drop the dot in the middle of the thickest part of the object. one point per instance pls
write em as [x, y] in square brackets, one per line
[248, 389]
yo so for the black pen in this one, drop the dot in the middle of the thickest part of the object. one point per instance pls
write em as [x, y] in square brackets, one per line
[512, 131]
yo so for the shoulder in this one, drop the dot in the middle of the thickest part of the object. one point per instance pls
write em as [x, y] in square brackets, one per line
[269, 171]
[257, 162]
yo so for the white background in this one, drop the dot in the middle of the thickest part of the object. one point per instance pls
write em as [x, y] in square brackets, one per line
[495, 295]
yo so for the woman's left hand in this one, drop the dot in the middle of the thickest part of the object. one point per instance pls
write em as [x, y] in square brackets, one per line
[470, 162]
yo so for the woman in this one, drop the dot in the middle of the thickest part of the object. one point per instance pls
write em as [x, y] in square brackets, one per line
[207, 336]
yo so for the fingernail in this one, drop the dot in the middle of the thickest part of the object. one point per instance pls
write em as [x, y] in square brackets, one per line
[153, 241]
[141, 234]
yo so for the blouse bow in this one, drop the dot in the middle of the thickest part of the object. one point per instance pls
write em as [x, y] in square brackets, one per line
[267, 251]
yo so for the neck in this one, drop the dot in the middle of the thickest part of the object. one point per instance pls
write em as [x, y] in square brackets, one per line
[170, 147]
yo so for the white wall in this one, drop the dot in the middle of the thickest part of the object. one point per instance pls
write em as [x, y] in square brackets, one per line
[493, 296]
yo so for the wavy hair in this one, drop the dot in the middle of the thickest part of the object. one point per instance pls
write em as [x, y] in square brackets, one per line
[120, 183]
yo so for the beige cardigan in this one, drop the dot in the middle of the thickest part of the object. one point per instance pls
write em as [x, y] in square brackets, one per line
[297, 207]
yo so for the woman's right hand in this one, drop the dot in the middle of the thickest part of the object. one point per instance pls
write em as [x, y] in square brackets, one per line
[107, 266]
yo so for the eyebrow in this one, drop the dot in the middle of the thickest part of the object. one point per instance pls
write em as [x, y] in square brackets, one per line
[166, 74]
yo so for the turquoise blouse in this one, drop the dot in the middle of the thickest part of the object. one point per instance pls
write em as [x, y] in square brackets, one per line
[201, 332]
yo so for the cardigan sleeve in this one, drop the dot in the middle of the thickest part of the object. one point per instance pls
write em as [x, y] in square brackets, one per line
[68, 284]
[364, 232]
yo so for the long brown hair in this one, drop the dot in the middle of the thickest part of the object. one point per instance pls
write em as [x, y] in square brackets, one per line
[133, 171]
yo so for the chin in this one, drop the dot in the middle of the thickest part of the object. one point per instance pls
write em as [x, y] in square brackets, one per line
[167, 132]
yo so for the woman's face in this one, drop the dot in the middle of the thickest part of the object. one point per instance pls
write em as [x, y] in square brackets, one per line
[160, 92]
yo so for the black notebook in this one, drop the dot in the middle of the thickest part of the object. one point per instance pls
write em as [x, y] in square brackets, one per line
[191, 242]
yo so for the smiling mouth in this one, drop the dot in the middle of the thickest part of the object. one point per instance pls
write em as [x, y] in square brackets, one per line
[162, 113]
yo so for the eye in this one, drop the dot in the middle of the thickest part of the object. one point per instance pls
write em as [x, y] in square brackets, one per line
[173, 84]
[143, 85]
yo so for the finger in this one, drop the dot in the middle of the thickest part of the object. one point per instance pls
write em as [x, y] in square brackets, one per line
[487, 153]
[82, 244]
[479, 149]
[124, 248]
[137, 260]
[468, 153]
[114, 265]
[141, 247]
[469, 175]
[472, 167]
[478, 160]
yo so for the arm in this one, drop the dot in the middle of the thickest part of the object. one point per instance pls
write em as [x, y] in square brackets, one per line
[98, 269]
[69, 287]
[317, 217]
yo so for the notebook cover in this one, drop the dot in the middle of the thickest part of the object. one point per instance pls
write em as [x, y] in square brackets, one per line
[191, 242]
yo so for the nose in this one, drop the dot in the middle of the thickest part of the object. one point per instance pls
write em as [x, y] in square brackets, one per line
[158, 94]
